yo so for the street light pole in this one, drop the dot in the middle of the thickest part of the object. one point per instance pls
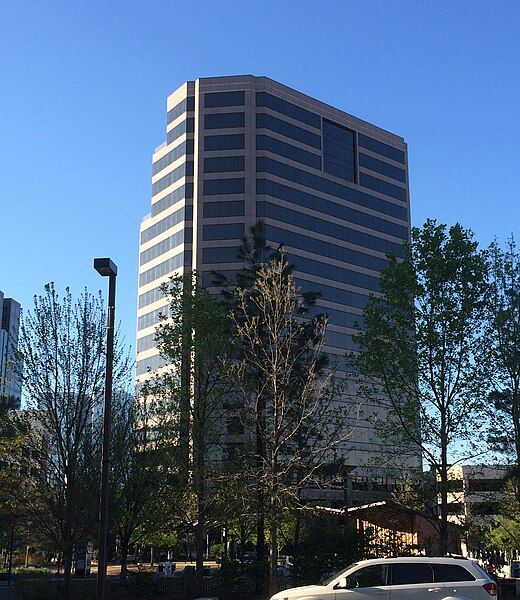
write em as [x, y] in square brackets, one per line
[106, 268]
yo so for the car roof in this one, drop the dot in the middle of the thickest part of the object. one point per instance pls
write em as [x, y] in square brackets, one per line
[412, 559]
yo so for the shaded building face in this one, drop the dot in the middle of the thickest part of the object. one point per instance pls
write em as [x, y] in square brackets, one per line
[332, 188]
[10, 382]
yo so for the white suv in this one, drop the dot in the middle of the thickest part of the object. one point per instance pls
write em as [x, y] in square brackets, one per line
[411, 578]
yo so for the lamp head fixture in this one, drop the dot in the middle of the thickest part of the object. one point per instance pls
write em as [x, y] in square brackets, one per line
[105, 267]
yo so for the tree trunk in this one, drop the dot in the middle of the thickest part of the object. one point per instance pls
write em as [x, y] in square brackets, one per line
[515, 413]
[151, 556]
[260, 499]
[124, 554]
[443, 491]
[201, 505]
[186, 385]
[273, 549]
[260, 456]
[67, 569]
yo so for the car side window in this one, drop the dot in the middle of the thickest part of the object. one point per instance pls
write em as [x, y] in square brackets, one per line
[446, 573]
[371, 576]
[407, 573]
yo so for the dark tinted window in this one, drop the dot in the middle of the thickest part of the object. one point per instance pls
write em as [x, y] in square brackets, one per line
[224, 142]
[208, 277]
[163, 225]
[382, 186]
[455, 485]
[216, 255]
[224, 120]
[161, 247]
[339, 274]
[184, 148]
[443, 572]
[338, 151]
[187, 126]
[150, 296]
[328, 207]
[223, 231]
[382, 167]
[161, 269]
[337, 317]
[456, 508]
[268, 165]
[183, 170]
[226, 208]
[485, 508]
[485, 485]
[335, 230]
[182, 107]
[407, 573]
[146, 342]
[381, 148]
[288, 108]
[374, 575]
[321, 248]
[153, 362]
[333, 294]
[265, 142]
[185, 191]
[214, 187]
[335, 339]
[223, 164]
[212, 99]
[289, 130]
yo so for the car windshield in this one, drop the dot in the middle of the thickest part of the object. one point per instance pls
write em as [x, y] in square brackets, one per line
[337, 574]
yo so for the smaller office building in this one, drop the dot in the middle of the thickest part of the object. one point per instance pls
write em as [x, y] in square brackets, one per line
[10, 381]
[475, 492]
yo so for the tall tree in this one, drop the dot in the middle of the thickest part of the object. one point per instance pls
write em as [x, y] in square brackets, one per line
[280, 366]
[417, 354]
[62, 341]
[254, 252]
[501, 353]
[502, 348]
[197, 327]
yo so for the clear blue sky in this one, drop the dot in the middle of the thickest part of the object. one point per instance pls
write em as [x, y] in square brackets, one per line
[83, 95]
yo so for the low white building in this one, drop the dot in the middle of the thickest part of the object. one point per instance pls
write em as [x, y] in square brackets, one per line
[475, 492]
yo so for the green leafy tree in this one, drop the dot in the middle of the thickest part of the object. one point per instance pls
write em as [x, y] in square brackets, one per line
[418, 353]
[504, 529]
[62, 341]
[502, 349]
[195, 341]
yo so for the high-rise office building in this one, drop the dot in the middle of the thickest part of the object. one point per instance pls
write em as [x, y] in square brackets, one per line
[10, 383]
[331, 187]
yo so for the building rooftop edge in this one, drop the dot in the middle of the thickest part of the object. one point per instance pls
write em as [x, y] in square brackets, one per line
[282, 87]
